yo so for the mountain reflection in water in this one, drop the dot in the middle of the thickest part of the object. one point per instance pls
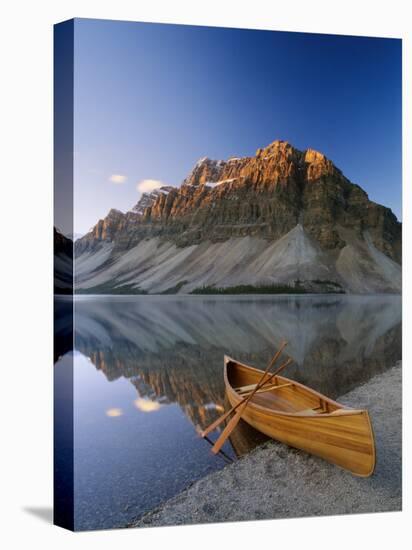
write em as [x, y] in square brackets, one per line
[170, 349]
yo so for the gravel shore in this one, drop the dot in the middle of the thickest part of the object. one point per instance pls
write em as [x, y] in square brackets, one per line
[275, 481]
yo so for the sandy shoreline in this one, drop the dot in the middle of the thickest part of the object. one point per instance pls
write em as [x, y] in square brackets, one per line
[275, 481]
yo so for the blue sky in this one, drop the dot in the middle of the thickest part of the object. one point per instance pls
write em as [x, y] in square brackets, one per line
[151, 99]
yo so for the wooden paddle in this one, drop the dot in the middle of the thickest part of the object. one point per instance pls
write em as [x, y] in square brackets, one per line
[216, 423]
[231, 425]
[260, 389]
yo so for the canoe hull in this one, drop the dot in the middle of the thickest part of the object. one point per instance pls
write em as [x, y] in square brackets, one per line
[344, 438]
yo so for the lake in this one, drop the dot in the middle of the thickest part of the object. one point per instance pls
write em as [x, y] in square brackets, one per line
[148, 377]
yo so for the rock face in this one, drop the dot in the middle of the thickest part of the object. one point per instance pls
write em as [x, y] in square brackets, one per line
[63, 263]
[147, 199]
[330, 229]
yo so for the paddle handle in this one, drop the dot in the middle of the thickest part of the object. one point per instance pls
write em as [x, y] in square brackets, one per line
[272, 376]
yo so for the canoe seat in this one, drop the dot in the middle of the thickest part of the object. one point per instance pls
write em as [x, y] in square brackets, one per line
[244, 389]
[309, 411]
[316, 410]
[251, 387]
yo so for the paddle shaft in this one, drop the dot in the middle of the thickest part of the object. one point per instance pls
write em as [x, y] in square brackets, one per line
[234, 421]
[216, 423]
[231, 425]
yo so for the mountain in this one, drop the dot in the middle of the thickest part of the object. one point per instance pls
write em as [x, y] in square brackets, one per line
[280, 217]
[74, 236]
[63, 263]
[147, 199]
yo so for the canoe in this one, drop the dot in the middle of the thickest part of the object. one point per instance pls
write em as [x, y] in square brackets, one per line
[294, 414]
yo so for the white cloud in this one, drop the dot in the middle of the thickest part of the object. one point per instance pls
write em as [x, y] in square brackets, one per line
[146, 186]
[117, 178]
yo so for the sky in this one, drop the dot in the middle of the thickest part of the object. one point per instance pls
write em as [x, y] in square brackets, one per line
[151, 99]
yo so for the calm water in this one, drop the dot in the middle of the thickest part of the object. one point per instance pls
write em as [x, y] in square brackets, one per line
[148, 377]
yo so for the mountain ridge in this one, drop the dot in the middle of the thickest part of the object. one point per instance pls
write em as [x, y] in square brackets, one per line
[263, 197]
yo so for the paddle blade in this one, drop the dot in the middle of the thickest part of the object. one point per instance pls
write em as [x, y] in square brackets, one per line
[216, 423]
[231, 425]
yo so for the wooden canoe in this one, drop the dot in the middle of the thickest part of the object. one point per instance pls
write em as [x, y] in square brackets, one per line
[303, 418]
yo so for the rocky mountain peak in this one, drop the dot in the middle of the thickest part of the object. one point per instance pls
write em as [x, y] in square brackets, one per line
[277, 163]
[318, 165]
[114, 214]
[313, 156]
[105, 229]
[205, 170]
[277, 147]
[147, 199]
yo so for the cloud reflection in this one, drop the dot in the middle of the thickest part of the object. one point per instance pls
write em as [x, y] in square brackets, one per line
[113, 413]
[146, 405]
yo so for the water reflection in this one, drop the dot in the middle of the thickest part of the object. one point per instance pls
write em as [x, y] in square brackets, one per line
[172, 349]
[163, 357]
